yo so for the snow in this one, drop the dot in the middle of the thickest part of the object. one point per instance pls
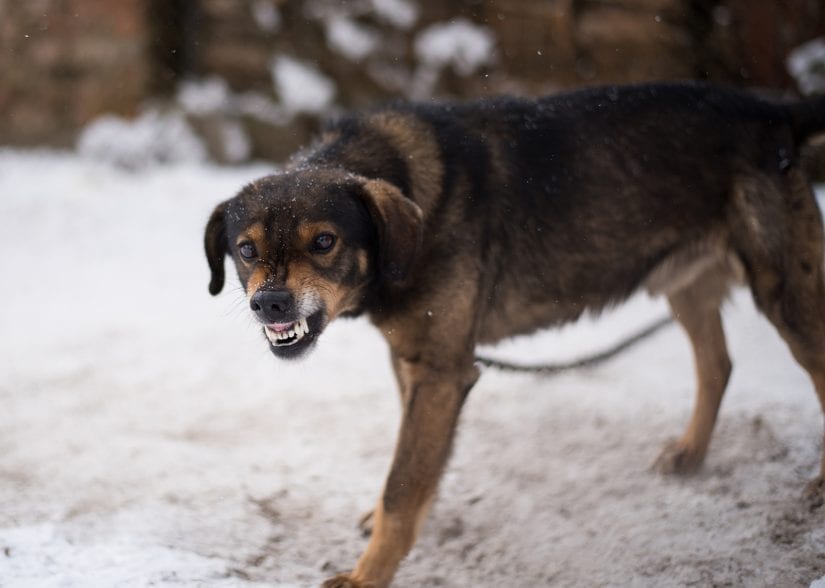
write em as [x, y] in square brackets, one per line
[266, 15]
[44, 556]
[806, 64]
[237, 147]
[301, 86]
[401, 14]
[261, 107]
[153, 137]
[212, 96]
[459, 43]
[350, 39]
[148, 437]
[204, 96]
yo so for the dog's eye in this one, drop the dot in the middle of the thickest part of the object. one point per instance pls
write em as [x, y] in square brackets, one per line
[247, 251]
[323, 242]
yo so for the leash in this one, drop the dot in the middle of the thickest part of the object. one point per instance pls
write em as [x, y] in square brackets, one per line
[584, 362]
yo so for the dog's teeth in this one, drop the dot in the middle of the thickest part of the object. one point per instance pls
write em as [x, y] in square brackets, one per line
[293, 334]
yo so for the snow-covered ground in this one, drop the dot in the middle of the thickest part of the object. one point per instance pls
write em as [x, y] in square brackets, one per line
[148, 437]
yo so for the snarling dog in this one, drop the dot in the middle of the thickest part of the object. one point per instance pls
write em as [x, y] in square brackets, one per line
[450, 225]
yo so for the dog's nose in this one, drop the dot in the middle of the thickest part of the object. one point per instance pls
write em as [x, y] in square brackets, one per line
[271, 306]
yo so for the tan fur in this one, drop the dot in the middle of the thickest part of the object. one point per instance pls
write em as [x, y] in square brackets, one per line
[257, 234]
[416, 141]
[256, 279]
[433, 403]
[696, 307]
[688, 265]
[363, 262]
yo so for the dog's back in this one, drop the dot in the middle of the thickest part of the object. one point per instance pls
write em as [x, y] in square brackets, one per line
[572, 202]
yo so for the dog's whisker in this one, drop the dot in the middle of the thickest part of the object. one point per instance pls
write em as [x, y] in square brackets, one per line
[235, 306]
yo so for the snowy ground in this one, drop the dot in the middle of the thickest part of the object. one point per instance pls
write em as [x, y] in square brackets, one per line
[148, 437]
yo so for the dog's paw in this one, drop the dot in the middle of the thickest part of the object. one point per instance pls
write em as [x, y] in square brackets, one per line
[814, 493]
[678, 458]
[345, 581]
[366, 522]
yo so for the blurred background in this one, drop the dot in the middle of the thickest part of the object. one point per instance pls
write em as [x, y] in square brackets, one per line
[233, 80]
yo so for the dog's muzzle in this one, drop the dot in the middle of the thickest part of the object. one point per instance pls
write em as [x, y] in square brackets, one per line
[290, 326]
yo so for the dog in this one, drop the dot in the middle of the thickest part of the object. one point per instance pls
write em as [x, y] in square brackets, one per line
[454, 224]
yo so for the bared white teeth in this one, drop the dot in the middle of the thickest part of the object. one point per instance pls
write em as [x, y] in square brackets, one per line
[290, 336]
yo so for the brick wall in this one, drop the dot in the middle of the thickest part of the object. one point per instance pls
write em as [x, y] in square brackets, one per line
[63, 62]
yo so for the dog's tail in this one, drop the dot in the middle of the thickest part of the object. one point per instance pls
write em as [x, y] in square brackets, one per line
[583, 362]
[807, 118]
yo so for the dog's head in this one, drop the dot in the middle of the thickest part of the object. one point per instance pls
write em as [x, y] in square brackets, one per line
[309, 245]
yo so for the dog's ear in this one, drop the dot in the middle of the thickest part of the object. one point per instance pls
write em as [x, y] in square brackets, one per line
[399, 222]
[216, 245]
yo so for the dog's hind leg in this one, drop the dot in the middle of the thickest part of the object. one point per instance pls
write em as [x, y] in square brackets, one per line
[780, 237]
[696, 308]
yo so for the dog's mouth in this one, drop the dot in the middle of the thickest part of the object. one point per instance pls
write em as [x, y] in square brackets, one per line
[284, 335]
[289, 340]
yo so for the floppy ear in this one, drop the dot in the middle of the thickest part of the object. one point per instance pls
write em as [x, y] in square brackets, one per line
[215, 242]
[399, 222]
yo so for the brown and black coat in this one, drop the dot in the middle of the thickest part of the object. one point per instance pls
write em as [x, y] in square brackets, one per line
[451, 225]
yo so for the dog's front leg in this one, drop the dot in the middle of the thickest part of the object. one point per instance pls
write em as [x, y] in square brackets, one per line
[433, 396]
